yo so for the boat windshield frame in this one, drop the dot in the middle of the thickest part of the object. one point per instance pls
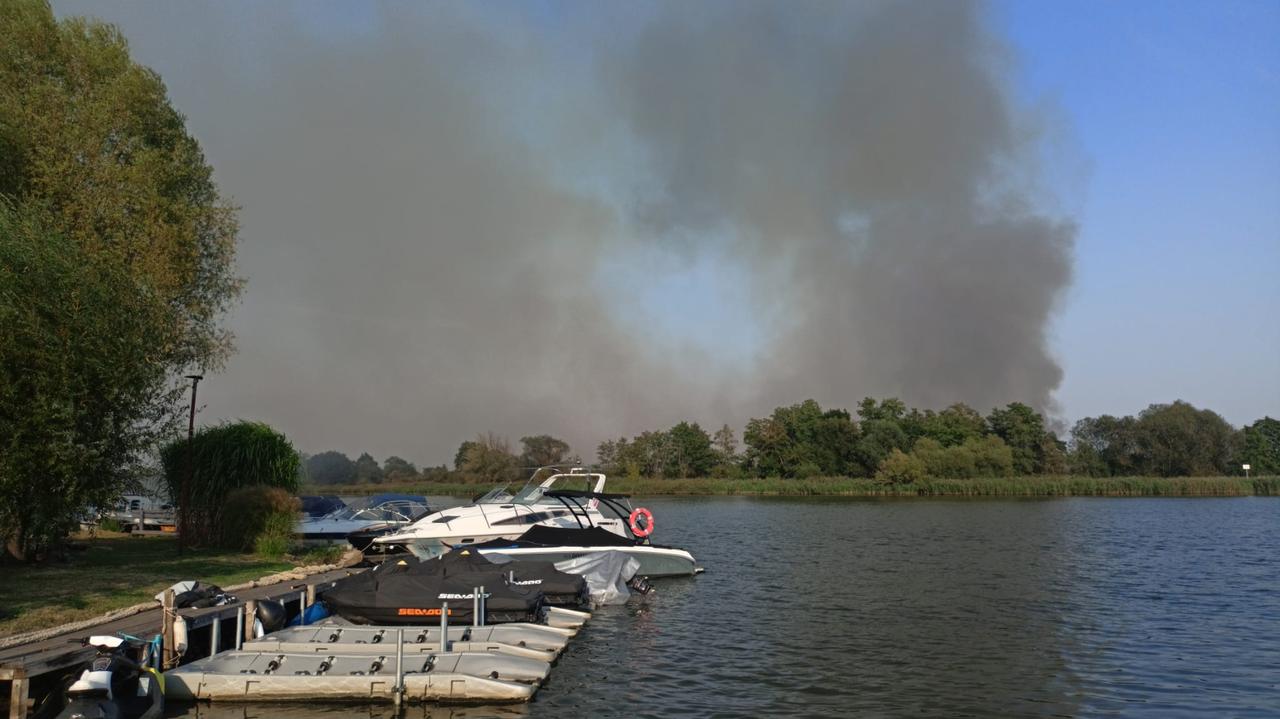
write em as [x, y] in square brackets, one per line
[351, 512]
[532, 492]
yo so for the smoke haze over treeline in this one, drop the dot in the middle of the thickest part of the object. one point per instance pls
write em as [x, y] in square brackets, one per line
[597, 219]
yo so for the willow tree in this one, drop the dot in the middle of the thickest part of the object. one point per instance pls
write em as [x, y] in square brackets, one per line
[80, 398]
[93, 153]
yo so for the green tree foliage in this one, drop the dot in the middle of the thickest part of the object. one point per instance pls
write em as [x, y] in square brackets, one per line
[253, 511]
[331, 467]
[877, 441]
[396, 469]
[725, 443]
[803, 440]
[94, 148]
[1022, 429]
[1262, 446]
[608, 455]
[986, 456]
[80, 400]
[649, 454]
[1104, 446]
[691, 453]
[887, 410]
[1166, 440]
[900, 468]
[542, 450]
[460, 457]
[220, 460]
[489, 458]
[367, 470]
[111, 208]
[1178, 440]
[951, 427]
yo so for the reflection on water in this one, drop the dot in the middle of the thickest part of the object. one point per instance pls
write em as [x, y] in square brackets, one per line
[1075, 607]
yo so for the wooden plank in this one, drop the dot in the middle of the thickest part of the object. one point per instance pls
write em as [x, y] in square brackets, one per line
[17, 678]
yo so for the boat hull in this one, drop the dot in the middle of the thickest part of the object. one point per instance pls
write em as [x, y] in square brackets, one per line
[654, 561]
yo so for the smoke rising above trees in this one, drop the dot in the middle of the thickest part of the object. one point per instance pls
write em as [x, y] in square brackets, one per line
[451, 212]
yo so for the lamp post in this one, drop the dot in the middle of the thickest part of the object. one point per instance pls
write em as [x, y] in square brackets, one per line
[183, 508]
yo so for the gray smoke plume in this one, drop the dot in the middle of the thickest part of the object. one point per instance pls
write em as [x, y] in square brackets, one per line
[449, 211]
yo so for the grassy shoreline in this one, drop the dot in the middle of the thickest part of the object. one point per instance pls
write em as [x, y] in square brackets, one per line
[1052, 486]
[112, 572]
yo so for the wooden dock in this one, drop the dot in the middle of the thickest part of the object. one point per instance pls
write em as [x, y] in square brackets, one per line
[209, 629]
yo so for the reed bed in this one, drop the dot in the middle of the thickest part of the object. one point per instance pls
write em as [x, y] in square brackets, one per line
[1032, 486]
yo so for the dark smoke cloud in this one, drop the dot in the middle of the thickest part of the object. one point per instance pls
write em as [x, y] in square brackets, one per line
[431, 195]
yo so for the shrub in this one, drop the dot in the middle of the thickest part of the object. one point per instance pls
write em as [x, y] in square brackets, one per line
[252, 513]
[223, 459]
[110, 524]
[276, 536]
[900, 468]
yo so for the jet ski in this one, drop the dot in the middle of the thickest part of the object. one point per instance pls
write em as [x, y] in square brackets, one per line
[115, 684]
[394, 593]
[559, 589]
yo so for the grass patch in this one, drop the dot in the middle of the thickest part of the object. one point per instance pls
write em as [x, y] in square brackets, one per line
[115, 571]
[1036, 486]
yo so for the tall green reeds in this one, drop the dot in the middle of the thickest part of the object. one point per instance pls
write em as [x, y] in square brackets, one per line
[223, 459]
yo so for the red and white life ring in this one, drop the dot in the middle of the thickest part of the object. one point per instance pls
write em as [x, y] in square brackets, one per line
[636, 529]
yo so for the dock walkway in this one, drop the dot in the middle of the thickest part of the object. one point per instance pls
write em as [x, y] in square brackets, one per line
[24, 663]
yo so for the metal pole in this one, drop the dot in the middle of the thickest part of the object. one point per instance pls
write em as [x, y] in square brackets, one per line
[215, 635]
[399, 666]
[239, 626]
[480, 597]
[184, 510]
[475, 606]
[444, 627]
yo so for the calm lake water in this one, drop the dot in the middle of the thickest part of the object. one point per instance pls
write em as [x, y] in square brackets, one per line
[815, 608]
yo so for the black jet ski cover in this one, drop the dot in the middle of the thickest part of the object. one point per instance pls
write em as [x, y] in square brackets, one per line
[397, 594]
[560, 588]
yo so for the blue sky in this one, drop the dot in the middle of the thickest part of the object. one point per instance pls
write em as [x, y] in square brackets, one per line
[1174, 108]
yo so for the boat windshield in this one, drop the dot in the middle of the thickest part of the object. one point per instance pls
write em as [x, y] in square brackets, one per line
[397, 510]
[529, 495]
[497, 495]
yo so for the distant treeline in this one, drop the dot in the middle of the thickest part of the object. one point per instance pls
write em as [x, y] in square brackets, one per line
[883, 440]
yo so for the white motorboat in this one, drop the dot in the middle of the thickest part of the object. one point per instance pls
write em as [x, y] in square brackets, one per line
[365, 518]
[501, 514]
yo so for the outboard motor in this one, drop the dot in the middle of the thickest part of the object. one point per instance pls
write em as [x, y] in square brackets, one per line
[113, 685]
[272, 614]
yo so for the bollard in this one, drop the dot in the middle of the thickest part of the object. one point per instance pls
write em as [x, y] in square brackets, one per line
[239, 626]
[475, 606]
[444, 628]
[399, 667]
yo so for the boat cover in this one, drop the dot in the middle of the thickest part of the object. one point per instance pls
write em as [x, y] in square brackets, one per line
[396, 594]
[560, 588]
[607, 573]
[541, 535]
